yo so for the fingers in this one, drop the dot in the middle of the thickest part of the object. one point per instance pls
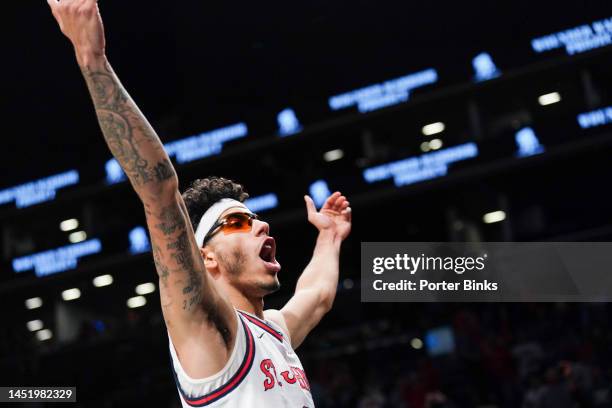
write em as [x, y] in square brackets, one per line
[336, 202]
[65, 2]
[71, 14]
[342, 206]
[59, 3]
[340, 203]
[331, 200]
[347, 213]
[310, 206]
[55, 4]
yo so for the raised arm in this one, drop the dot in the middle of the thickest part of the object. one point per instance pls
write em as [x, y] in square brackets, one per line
[202, 323]
[316, 288]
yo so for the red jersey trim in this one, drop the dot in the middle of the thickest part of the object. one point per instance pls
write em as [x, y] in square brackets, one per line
[231, 384]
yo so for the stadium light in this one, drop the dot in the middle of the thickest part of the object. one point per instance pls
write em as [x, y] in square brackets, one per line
[145, 288]
[71, 294]
[433, 128]
[33, 303]
[493, 217]
[436, 144]
[78, 236]
[69, 225]
[136, 301]
[43, 335]
[549, 99]
[34, 325]
[333, 155]
[102, 280]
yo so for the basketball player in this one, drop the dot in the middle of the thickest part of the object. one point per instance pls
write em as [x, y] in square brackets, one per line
[215, 259]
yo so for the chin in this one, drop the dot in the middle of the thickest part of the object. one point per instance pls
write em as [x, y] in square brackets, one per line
[270, 286]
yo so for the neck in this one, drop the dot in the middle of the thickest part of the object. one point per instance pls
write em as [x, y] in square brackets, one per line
[241, 301]
[253, 306]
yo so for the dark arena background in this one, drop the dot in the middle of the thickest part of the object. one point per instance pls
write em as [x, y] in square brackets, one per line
[440, 121]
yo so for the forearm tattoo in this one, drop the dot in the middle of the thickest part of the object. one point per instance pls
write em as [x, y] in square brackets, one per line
[128, 134]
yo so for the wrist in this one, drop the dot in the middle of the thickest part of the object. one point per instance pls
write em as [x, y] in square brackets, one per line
[329, 237]
[90, 60]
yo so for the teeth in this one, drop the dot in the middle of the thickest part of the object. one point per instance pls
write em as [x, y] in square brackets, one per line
[268, 246]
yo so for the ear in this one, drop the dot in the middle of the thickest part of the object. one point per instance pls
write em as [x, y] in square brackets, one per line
[210, 260]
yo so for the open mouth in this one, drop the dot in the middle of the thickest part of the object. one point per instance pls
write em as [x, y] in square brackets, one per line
[268, 250]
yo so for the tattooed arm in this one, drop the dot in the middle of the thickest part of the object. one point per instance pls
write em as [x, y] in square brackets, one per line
[200, 321]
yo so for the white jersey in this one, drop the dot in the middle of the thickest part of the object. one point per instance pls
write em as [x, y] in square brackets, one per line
[262, 371]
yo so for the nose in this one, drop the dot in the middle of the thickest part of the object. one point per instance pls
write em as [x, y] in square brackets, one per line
[261, 228]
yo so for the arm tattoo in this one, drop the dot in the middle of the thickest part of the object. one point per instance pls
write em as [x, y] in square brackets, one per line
[176, 256]
[170, 218]
[126, 131]
[163, 170]
[162, 270]
[184, 257]
[141, 154]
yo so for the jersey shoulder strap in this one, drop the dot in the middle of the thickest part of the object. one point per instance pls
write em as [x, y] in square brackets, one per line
[268, 326]
[204, 391]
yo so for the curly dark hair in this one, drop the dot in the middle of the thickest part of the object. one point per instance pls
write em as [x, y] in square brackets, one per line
[203, 193]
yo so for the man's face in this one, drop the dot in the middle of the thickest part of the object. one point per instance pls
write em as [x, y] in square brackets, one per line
[247, 260]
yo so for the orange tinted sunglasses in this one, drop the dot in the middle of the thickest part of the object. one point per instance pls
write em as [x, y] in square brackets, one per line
[232, 223]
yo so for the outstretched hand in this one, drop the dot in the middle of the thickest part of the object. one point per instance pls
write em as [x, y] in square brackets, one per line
[334, 216]
[81, 22]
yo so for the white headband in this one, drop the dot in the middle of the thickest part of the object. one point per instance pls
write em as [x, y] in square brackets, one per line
[212, 215]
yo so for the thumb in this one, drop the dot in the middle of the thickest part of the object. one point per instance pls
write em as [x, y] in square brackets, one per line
[310, 206]
[52, 5]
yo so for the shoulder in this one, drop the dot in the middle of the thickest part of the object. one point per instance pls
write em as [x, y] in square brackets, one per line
[276, 317]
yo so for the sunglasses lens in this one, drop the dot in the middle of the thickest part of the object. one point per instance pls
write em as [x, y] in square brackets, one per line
[239, 222]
